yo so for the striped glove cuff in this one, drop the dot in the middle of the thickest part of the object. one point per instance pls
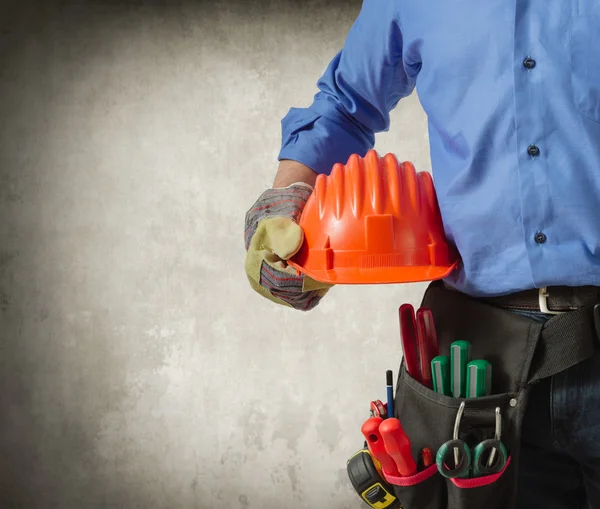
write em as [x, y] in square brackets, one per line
[277, 202]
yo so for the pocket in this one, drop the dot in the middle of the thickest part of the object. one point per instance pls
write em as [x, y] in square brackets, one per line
[585, 65]
[489, 492]
[425, 490]
[428, 419]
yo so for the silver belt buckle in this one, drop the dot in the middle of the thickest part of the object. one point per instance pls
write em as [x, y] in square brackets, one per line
[543, 301]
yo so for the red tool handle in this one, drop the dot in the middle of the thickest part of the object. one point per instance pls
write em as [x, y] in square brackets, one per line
[408, 333]
[370, 429]
[427, 344]
[397, 445]
[427, 457]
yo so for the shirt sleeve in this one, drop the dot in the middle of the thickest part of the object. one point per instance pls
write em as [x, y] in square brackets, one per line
[360, 87]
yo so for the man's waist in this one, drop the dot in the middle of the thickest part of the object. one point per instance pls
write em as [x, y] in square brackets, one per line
[547, 300]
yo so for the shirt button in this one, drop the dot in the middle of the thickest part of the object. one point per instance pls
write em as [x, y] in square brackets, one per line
[529, 63]
[540, 238]
[533, 151]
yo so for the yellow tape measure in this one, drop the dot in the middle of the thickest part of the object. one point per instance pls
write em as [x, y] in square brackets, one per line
[369, 484]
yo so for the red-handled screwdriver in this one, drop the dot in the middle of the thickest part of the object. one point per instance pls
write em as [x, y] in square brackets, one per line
[370, 429]
[408, 334]
[397, 445]
[427, 344]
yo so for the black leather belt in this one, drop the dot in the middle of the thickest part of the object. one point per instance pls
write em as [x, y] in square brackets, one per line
[551, 299]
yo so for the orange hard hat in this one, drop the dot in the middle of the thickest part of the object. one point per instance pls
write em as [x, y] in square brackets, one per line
[372, 221]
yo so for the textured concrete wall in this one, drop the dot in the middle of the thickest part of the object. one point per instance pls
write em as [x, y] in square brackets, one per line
[137, 368]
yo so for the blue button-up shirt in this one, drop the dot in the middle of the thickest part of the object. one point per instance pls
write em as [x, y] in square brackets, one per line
[511, 90]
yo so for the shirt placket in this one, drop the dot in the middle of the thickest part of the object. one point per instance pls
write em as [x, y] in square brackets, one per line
[532, 151]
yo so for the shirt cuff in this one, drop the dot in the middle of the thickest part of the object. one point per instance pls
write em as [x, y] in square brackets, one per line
[319, 142]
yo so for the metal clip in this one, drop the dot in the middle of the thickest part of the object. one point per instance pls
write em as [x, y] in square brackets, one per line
[459, 415]
[497, 436]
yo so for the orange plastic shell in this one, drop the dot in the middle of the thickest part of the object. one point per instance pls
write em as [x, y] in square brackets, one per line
[374, 221]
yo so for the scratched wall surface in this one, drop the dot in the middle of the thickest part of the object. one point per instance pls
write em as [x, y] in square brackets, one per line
[137, 367]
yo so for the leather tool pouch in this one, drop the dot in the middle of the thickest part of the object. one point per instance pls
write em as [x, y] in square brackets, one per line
[521, 351]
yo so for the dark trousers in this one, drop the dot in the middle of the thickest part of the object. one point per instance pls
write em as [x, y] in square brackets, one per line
[560, 456]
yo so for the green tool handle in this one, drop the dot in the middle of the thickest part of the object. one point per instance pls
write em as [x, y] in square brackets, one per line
[453, 459]
[460, 355]
[440, 374]
[482, 455]
[479, 379]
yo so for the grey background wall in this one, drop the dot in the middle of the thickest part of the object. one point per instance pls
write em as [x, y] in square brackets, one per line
[137, 367]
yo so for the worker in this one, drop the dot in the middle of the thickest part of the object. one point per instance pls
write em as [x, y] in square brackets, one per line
[511, 91]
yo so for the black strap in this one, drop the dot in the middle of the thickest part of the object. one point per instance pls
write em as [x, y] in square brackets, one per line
[566, 340]
[523, 349]
[559, 298]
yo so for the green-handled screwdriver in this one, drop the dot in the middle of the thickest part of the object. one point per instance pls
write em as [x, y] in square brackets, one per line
[460, 356]
[440, 373]
[479, 379]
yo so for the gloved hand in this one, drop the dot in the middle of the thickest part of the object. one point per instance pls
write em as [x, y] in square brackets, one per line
[272, 236]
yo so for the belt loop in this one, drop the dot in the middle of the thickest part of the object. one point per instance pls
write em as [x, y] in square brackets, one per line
[543, 301]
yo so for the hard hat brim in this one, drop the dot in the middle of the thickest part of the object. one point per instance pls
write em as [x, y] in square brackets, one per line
[378, 275]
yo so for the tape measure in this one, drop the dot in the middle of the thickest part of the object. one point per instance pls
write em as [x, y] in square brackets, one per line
[369, 484]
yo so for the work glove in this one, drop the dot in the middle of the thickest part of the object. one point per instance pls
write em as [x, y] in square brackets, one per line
[272, 236]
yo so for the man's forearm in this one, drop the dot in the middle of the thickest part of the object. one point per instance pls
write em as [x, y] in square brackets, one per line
[290, 172]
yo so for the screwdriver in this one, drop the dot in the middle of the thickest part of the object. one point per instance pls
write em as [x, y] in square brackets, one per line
[427, 344]
[440, 367]
[397, 446]
[460, 355]
[479, 379]
[370, 430]
[408, 334]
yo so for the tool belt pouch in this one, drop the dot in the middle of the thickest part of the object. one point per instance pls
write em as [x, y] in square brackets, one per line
[521, 351]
